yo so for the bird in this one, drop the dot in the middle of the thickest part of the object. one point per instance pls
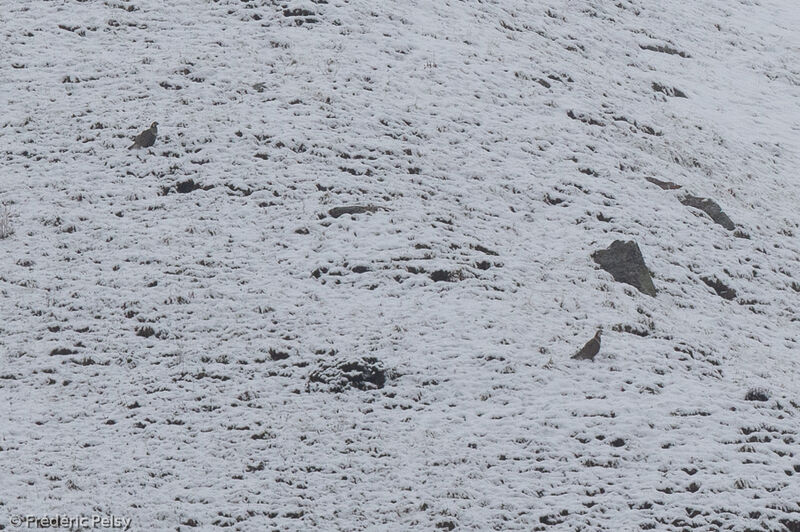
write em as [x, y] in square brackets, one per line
[590, 350]
[146, 138]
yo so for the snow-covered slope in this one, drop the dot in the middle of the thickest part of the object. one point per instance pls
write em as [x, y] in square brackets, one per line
[172, 319]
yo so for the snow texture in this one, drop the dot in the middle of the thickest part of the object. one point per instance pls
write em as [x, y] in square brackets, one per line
[189, 337]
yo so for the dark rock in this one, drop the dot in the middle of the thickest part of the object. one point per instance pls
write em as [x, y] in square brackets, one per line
[665, 185]
[145, 332]
[352, 209]
[62, 351]
[274, 354]
[188, 186]
[757, 394]
[364, 374]
[792, 525]
[630, 330]
[644, 128]
[711, 208]
[664, 49]
[624, 261]
[185, 187]
[298, 12]
[550, 520]
[446, 276]
[669, 91]
[243, 191]
[586, 119]
[619, 442]
[724, 291]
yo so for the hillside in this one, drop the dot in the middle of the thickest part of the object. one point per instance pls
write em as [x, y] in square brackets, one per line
[343, 288]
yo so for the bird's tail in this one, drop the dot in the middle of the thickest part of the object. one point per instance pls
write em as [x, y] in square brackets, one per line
[132, 146]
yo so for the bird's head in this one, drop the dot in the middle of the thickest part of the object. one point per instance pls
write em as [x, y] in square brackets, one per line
[154, 125]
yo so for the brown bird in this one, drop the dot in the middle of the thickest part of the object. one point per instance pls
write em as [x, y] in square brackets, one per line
[146, 138]
[590, 350]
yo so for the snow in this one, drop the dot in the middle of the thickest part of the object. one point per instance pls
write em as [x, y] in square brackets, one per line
[502, 142]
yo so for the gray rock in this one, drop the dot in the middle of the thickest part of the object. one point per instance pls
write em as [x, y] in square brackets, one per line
[724, 291]
[447, 276]
[624, 261]
[664, 185]
[711, 208]
[669, 91]
[367, 373]
[352, 209]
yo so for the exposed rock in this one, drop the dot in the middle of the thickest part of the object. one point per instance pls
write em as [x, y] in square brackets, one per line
[185, 187]
[669, 91]
[664, 49]
[364, 374]
[352, 209]
[757, 394]
[636, 126]
[665, 185]
[145, 332]
[624, 261]
[711, 208]
[298, 12]
[792, 525]
[447, 276]
[586, 119]
[724, 291]
[487, 251]
[300, 16]
[276, 354]
[62, 351]
[628, 329]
